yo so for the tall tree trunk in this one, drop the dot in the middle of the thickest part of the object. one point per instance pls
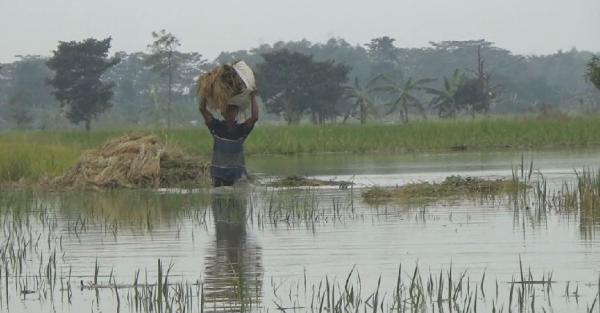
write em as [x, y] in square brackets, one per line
[170, 87]
[363, 112]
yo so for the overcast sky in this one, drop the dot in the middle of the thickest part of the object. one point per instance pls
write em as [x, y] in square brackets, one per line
[208, 27]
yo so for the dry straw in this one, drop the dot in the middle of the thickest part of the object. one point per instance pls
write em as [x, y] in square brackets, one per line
[134, 161]
[220, 85]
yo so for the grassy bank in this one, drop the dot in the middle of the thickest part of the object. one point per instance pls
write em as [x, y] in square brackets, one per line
[31, 155]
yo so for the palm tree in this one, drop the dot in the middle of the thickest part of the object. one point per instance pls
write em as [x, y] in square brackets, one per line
[405, 97]
[445, 100]
[361, 99]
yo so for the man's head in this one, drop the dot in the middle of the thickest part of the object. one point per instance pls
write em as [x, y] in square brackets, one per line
[231, 113]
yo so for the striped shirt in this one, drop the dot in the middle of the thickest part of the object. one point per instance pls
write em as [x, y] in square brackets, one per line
[228, 161]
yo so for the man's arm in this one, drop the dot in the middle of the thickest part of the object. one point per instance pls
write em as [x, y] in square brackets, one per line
[208, 118]
[254, 111]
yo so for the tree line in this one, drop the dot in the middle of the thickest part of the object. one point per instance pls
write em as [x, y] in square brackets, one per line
[298, 80]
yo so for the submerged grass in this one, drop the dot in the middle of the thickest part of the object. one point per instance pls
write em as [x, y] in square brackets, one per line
[31, 155]
[452, 186]
[300, 181]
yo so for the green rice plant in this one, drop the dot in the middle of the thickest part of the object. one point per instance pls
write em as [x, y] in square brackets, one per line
[21, 161]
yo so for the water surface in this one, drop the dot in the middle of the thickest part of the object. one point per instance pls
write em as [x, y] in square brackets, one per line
[255, 248]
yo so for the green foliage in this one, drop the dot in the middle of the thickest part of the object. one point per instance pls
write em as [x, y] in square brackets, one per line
[445, 101]
[362, 103]
[28, 161]
[526, 83]
[294, 84]
[162, 61]
[179, 69]
[25, 96]
[462, 92]
[593, 71]
[162, 50]
[19, 108]
[472, 97]
[77, 81]
[404, 96]
[384, 58]
[30, 75]
[383, 48]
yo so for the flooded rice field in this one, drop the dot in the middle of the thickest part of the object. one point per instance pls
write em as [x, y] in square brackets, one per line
[258, 249]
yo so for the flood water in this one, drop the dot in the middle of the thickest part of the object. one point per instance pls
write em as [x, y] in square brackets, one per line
[264, 249]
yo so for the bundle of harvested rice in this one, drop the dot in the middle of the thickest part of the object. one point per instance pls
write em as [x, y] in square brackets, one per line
[134, 161]
[223, 83]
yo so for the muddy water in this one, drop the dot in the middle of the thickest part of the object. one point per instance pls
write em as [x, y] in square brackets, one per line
[256, 248]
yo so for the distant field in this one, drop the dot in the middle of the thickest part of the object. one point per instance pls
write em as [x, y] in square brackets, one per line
[32, 155]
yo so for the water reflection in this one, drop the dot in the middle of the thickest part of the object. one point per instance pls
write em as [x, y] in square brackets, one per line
[589, 224]
[234, 273]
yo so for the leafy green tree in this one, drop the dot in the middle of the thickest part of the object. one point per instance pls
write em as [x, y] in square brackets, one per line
[593, 71]
[191, 65]
[383, 48]
[341, 51]
[361, 97]
[132, 78]
[162, 61]
[472, 97]
[480, 93]
[404, 96]
[327, 90]
[384, 58]
[4, 87]
[461, 93]
[471, 93]
[30, 82]
[293, 84]
[31, 74]
[77, 82]
[19, 109]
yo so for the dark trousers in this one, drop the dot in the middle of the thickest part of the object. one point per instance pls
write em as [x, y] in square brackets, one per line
[219, 182]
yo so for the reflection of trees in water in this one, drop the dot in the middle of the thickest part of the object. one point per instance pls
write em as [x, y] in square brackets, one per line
[233, 274]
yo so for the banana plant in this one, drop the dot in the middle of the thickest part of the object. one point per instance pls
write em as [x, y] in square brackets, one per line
[445, 101]
[404, 96]
[361, 99]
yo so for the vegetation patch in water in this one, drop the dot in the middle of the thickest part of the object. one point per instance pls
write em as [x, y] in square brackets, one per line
[582, 197]
[301, 181]
[452, 186]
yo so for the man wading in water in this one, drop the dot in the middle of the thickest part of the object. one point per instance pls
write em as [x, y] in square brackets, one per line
[228, 164]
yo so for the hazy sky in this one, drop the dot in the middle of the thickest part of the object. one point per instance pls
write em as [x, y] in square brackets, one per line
[208, 27]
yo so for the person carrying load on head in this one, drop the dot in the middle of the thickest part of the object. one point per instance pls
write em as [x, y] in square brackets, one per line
[228, 161]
